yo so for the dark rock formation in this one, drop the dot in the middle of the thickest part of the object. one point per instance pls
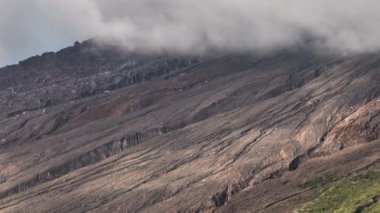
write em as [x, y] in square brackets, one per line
[93, 128]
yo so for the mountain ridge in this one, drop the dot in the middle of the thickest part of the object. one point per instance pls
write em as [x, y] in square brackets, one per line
[113, 131]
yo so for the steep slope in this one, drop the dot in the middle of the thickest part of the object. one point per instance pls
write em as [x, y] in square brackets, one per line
[96, 129]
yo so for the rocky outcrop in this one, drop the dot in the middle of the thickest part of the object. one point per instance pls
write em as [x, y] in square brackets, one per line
[94, 129]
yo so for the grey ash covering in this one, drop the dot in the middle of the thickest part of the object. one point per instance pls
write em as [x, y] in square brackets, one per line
[93, 128]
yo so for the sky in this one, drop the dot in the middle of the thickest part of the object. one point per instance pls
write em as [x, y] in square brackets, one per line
[30, 27]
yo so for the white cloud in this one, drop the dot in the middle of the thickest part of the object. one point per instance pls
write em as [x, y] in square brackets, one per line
[28, 26]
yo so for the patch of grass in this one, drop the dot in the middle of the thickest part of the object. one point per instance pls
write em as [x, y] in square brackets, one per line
[345, 194]
[320, 181]
[375, 208]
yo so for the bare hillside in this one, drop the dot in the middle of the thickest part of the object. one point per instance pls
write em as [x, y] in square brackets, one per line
[94, 129]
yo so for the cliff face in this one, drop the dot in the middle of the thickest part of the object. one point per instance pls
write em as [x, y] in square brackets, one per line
[92, 128]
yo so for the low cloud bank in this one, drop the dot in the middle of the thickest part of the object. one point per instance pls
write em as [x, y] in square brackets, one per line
[33, 26]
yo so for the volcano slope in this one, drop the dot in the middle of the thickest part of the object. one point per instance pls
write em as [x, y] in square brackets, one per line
[94, 129]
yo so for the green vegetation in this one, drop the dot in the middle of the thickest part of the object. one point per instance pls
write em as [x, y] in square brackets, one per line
[373, 209]
[320, 181]
[341, 195]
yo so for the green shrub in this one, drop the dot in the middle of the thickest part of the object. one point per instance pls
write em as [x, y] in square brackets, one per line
[345, 194]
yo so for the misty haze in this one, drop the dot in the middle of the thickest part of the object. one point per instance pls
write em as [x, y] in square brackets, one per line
[189, 106]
